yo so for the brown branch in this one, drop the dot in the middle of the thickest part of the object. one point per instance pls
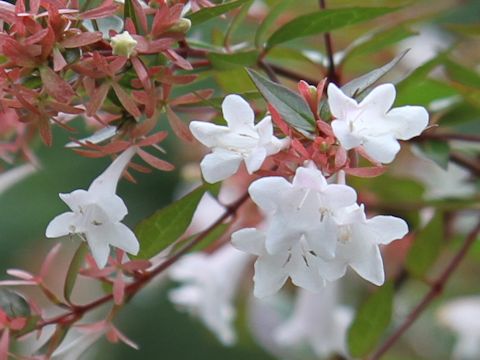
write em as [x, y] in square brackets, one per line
[293, 75]
[466, 162]
[78, 311]
[268, 70]
[435, 291]
[332, 74]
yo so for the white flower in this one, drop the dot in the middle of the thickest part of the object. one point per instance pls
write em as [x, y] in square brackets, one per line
[240, 140]
[462, 316]
[358, 240]
[96, 214]
[273, 270]
[301, 210]
[372, 124]
[318, 320]
[123, 44]
[211, 281]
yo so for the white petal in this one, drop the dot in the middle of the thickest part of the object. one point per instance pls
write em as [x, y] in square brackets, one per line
[381, 148]
[309, 178]
[344, 134]
[106, 183]
[340, 104]
[333, 269]
[99, 246]
[238, 113]
[208, 134]
[336, 196]
[279, 236]
[267, 192]
[77, 199]
[255, 159]
[379, 100]
[323, 238]
[269, 275]
[120, 236]
[61, 225]
[369, 265]
[113, 206]
[220, 165]
[387, 228]
[265, 130]
[410, 121]
[306, 276]
[249, 240]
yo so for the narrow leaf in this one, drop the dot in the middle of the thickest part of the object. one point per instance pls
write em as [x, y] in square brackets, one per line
[463, 75]
[436, 150]
[208, 13]
[73, 268]
[324, 21]
[166, 225]
[269, 20]
[426, 248]
[55, 85]
[372, 319]
[229, 61]
[290, 105]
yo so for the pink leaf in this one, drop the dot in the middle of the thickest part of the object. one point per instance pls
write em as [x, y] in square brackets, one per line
[83, 39]
[178, 126]
[155, 162]
[126, 100]
[4, 344]
[58, 60]
[97, 98]
[55, 85]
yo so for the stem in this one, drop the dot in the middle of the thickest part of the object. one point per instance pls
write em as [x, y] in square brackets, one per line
[466, 162]
[332, 73]
[78, 311]
[435, 291]
[269, 71]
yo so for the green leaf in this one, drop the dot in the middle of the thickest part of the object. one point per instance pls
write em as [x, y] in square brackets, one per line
[422, 71]
[269, 20]
[208, 13]
[423, 92]
[372, 319]
[356, 86]
[14, 304]
[166, 225]
[236, 22]
[212, 236]
[72, 273]
[323, 21]
[290, 105]
[436, 150]
[229, 61]
[377, 41]
[129, 13]
[463, 75]
[426, 248]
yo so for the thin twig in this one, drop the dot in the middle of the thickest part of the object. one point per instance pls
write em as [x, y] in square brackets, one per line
[78, 311]
[268, 70]
[466, 162]
[435, 291]
[332, 73]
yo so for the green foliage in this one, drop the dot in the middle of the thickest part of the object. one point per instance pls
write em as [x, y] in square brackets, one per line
[462, 74]
[235, 60]
[208, 13]
[290, 105]
[273, 15]
[165, 226]
[372, 319]
[324, 21]
[426, 248]
[13, 304]
[74, 267]
[436, 150]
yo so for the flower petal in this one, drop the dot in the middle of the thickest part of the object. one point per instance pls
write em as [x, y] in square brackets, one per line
[238, 113]
[379, 100]
[249, 240]
[106, 182]
[340, 104]
[113, 206]
[344, 135]
[61, 225]
[387, 228]
[99, 241]
[265, 130]
[120, 236]
[267, 192]
[410, 121]
[255, 159]
[369, 265]
[208, 134]
[77, 199]
[269, 275]
[220, 165]
[309, 178]
[381, 148]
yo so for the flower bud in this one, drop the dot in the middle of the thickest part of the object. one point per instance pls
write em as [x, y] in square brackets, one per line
[123, 44]
[182, 25]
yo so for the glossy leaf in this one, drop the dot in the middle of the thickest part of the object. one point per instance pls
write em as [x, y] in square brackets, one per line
[268, 21]
[426, 248]
[229, 61]
[208, 13]
[14, 304]
[165, 226]
[290, 105]
[73, 268]
[324, 21]
[372, 318]
[463, 75]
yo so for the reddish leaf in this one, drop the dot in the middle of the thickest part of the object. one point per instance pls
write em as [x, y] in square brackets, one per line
[45, 130]
[55, 85]
[277, 120]
[178, 126]
[192, 98]
[83, 39]
[58, 60]
[153, 139]
[126, 100]
[97, 98]
[155, 162]
[99, 12]
[178, 60]
[141, 72]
